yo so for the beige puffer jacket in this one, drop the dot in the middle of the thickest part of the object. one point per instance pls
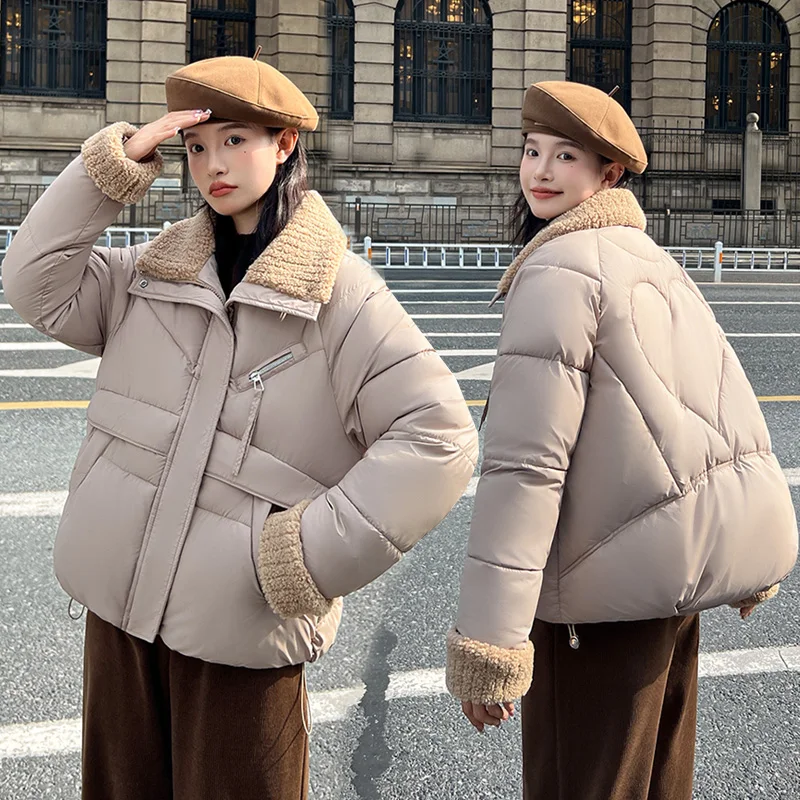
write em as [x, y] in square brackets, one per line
[310, 390]
[627, 469]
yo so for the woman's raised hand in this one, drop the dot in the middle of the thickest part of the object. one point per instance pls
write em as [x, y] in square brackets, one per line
[142, 145]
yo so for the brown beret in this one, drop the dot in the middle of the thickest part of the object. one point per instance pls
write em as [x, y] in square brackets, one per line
[587, 116]
[241, 89]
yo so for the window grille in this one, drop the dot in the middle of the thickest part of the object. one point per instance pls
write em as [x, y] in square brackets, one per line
[443, 61]
[600, 45]
[222, 28]
[341, 27]
[55, 48]
[747, 68]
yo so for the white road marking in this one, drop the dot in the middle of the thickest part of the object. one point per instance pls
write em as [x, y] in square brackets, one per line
[15, 326]
[754, 302]
[38, 739]
[762, 335]
[5, 307]
[490, 292]
[467, 352]
[483, 372]
[442, 335]
[32, 504]
[456, 316]
[50, 345]
[77, 369]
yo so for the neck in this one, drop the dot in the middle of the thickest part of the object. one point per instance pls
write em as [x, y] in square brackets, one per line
[247, 221]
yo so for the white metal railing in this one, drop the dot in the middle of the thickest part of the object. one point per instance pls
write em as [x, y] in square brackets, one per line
[111, 237]
[462, 256]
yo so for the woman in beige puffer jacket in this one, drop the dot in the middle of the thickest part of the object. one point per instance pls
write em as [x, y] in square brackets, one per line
[627, 483]
[270, 431]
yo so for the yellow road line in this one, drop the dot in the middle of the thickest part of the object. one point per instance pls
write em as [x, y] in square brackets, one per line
[42, 404]
[780, 398]
[51, 404]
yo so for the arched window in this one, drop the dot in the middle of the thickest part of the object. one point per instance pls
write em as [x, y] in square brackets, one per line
[747, 68]
[443, 61]
[222, 28]
[341, 24]
[53, 48]
[600, 45]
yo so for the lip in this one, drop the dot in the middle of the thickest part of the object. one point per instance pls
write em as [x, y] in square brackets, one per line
[219, 189]
[544, 194]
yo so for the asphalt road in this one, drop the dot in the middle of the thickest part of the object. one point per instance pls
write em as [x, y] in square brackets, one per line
[383, 728]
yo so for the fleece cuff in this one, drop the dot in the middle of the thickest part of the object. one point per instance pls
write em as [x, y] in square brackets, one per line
[285, 580]
[484, 673]
[117, 176]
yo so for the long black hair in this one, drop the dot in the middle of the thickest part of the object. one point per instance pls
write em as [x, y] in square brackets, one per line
[525, 224]
[278, 206]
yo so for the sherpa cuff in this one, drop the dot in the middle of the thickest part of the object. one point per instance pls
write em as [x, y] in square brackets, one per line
[285, 580]
[117, 176]
[484, 673]
[758, 597]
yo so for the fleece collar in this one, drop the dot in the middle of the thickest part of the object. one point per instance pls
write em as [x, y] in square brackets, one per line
[607, 208]
[301, 262]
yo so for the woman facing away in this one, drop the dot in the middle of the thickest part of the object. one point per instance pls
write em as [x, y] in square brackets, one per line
[628, 481]
[270, 431]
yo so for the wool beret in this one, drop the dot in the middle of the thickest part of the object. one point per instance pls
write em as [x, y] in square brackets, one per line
[587, 116]
[241, 89]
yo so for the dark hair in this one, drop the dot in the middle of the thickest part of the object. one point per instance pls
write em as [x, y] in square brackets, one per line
[525, 224]
[279, 204]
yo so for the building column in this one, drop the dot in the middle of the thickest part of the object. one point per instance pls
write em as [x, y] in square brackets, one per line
[668, 78]
[373, 98]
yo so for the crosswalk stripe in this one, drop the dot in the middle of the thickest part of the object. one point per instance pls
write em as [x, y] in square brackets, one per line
[38, 739]
[49, 345]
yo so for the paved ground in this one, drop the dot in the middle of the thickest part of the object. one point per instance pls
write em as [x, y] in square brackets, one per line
[384, 729]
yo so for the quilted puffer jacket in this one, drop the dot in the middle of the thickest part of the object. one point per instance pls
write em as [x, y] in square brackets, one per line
[247, 460]
[628, 472]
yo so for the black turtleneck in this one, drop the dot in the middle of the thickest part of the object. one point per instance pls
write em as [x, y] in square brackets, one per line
[233, 259]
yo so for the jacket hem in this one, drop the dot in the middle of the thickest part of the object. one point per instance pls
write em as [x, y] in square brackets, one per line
[285, 580]
[484, 673]
[117, 176]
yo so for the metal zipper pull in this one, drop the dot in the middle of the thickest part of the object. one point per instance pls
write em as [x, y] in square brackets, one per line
[574, 641]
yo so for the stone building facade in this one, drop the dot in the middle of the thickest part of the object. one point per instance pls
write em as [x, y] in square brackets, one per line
[421, 98]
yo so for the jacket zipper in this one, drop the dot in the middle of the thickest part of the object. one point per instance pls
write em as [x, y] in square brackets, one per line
[256, 377]
[574, 641]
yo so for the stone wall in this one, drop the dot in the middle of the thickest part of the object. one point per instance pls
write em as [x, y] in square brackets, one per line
[373, 156]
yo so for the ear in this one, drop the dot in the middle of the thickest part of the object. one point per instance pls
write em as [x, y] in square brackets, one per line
[286, 141]
[613, 175]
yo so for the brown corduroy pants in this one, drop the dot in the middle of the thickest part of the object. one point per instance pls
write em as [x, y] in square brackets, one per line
[615, 719]
[158, 725]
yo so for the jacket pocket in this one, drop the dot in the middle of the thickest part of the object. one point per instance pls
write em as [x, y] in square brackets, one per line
[271, 367]
[262, 509]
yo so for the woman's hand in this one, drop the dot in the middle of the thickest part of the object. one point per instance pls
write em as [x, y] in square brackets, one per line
[142, 145]
[746, 611]
[480, 715]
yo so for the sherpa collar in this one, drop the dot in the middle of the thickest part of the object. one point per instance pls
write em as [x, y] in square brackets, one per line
[301, 262]
[607, 208]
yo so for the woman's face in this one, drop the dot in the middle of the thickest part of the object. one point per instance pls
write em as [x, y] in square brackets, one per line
[557, 174]
[233, 164]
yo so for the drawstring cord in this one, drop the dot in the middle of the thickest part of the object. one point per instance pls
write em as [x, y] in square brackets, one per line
[305, 705]
[251, 425]
[70, 612]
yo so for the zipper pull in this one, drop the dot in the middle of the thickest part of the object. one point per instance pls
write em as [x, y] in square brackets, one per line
[574, 641]
[258, 383]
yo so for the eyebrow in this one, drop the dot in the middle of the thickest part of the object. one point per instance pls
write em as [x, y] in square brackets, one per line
[559, 143]
[228, 126]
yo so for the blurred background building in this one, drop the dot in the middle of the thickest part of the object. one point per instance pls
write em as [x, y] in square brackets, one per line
[420, 100]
